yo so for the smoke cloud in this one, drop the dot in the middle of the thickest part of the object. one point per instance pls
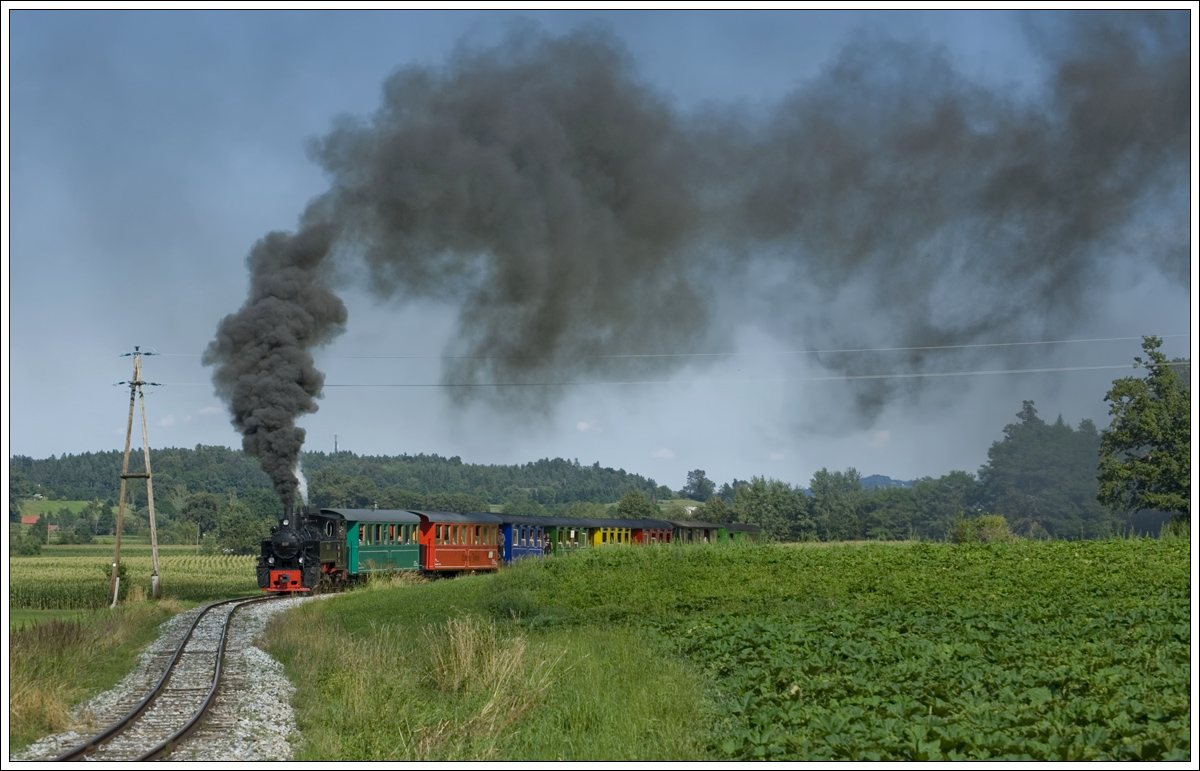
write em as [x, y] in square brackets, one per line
[264, 370]
[575, 215]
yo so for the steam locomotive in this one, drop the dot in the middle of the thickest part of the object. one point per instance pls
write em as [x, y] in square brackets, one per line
[316, 548]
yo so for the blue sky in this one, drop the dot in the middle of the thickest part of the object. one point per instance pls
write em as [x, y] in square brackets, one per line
[149, 150]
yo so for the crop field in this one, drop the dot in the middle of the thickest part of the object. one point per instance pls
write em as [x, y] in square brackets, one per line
[59, 581]
[1019, 651]
[51, 507]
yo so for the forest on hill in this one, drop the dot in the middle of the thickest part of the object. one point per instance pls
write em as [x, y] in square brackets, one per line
[220, 470]
[1042, 477]
[1046, 480]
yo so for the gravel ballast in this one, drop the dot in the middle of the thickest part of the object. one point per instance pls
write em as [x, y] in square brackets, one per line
[252, 718]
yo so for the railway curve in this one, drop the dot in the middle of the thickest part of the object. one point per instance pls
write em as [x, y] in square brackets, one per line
[178, 702]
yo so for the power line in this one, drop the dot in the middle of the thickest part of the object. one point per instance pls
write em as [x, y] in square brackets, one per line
[902, 375]
[773, 353]
[754, 353]
[886, 376]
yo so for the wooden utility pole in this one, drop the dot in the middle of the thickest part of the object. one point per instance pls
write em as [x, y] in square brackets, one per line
[135, 392]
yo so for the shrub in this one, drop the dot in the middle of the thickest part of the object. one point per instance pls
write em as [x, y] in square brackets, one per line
[963, 530]
[1176, 527]
[993, 528]
[990, 528]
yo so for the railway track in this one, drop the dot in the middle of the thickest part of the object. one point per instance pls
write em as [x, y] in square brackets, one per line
[174, 708]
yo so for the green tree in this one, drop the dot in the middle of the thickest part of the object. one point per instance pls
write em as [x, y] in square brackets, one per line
[84, 530]
[837, 505]
[203, 509]
[182, 531]
[781, 510]
[635, 505]
[240, 530]
[1042, 476]
[699, 487]
[263, 504]
[21, 543]
[940, 501]
[1145, 453]
[40, 530]
[890, 513]
[714, 510]
[524, 506]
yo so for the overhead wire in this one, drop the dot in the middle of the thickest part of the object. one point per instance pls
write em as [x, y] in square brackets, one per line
[812, 379]
[755, 353]
[823, 378]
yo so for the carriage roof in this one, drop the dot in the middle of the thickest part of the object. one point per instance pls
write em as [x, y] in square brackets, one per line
[374, 515]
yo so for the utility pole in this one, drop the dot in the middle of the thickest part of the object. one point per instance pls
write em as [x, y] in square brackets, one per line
[135, 391]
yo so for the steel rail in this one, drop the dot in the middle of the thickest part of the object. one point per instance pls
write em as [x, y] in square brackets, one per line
[81, 751]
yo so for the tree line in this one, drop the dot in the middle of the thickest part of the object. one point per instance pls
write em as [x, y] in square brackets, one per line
[218, 470]
[1047, 480]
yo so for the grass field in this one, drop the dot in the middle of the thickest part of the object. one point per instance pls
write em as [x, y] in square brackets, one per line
[77, 576]
[60, 662]
[43, 506]
[19, 618]
[1020, 651]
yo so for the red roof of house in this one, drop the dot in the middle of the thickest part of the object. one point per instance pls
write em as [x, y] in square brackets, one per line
[29, 519]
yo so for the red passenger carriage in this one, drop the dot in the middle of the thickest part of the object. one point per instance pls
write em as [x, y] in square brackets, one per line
[452, 542]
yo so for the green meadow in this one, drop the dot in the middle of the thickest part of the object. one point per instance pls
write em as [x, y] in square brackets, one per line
[1018, 651]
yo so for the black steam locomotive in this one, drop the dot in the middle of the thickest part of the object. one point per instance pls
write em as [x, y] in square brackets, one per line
[307, 549]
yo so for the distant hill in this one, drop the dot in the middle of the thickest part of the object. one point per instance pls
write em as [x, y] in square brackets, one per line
[220, 470]
[879, 480]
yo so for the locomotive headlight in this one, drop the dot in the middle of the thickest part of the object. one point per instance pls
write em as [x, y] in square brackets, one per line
[301, 560]
[270, 560]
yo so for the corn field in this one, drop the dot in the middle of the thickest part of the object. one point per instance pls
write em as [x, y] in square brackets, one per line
[46, 583]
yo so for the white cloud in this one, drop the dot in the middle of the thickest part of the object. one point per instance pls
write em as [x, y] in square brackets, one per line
[210, 410]
[879, 438]
[662, 453]
[167, 421]
[775, 456]
[187, 418]
[582, 426]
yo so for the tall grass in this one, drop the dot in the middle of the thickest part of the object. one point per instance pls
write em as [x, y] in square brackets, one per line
[56, 664]
[442, 679]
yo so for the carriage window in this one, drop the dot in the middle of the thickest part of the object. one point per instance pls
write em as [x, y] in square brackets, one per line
[360, 535]
[437, 533]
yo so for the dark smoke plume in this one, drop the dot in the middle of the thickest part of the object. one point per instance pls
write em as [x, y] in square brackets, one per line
[542, 186]
[263, 366]
[573, 214]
